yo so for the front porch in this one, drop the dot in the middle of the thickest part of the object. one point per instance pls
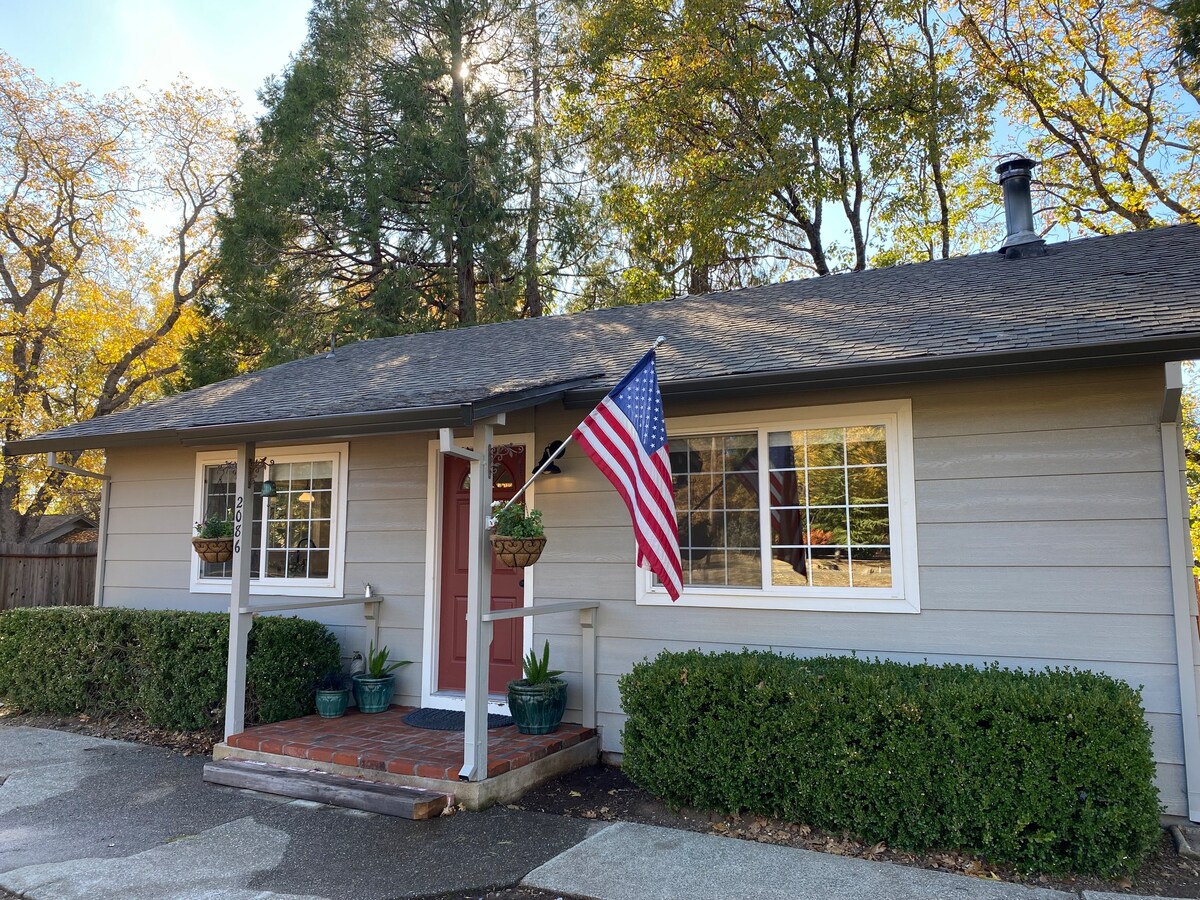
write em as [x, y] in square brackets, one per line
[380, 747]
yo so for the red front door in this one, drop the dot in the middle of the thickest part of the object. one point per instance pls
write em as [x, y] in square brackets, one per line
[508, 592]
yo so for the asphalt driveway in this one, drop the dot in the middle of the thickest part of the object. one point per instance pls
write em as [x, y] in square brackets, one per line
[84, 817]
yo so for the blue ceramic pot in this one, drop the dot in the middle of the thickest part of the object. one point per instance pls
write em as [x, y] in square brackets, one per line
[373, 695]
[537, 708]
[331, 704]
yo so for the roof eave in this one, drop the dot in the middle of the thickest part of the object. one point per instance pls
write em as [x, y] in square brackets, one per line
[921, 369]
[330, 427]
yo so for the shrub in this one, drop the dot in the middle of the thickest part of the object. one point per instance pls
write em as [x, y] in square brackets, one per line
[1050, 771]
[167, 665]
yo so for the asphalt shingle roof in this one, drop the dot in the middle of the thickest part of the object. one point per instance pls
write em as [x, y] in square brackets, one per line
[1140, 289]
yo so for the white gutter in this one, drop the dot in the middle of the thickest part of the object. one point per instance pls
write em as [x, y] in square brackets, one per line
[1183, 592]
[101, 525]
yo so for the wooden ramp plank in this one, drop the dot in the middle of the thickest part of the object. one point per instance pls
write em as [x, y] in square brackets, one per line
[323, 787]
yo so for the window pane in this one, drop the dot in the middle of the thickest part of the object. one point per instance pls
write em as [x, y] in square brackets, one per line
[839, 479]
[869, 525]
[866, 444]
[716, 502]
[830, 567]
[299, 524]
[868, 485]
[826, 447]
[871, 566]
[826, 487]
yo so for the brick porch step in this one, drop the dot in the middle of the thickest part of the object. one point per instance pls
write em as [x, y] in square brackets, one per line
[322, 787]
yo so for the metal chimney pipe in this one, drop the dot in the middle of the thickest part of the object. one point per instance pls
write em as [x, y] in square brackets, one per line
[1022, 240]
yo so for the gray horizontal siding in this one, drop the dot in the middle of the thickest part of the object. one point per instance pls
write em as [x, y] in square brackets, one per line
[1041, 535]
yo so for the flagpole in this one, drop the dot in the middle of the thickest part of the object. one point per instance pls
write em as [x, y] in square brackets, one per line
[658, 342]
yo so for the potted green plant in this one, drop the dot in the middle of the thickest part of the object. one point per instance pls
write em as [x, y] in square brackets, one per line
[333, 695]
[537, 701]
[214, 539]
[373, 687]
[518, 538]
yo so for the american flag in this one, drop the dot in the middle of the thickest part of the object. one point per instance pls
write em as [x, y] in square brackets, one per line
[626, 437]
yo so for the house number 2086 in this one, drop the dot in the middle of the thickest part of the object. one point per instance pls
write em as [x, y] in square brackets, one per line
[237, 526]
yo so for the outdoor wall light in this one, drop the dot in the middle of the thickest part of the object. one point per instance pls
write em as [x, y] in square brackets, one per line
[550, 450]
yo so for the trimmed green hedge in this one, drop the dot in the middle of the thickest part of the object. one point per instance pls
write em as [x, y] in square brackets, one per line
[1050, 771]
[168, 665]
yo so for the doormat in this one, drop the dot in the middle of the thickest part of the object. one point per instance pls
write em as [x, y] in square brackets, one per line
[449, 719]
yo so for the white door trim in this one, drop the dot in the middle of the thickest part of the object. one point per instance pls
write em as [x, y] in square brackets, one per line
[430, 696]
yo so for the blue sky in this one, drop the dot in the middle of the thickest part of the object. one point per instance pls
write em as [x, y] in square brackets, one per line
[108, 44]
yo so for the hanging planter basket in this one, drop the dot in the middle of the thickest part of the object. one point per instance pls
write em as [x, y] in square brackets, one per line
[517, 552]
[213, 550]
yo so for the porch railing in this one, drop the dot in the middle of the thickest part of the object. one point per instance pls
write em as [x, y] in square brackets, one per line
[587, 646]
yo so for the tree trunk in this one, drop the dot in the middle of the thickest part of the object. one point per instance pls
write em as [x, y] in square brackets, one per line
[464, 244]
[533, 287]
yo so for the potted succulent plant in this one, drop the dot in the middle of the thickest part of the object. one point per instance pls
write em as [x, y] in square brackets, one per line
[537, 701]
[373, 687]
[518, 538]
[214, 539]
[333, 695]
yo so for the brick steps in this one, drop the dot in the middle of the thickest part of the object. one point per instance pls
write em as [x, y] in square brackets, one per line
[322, 787]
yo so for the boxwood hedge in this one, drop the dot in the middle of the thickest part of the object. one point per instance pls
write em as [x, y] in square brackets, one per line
[168, 665]
[1050, 770]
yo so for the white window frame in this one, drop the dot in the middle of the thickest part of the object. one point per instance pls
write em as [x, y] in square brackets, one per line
[902, 597]
[331, 587]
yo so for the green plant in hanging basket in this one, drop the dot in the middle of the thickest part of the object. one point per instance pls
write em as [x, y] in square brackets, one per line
[515, 522]
[214, 527]
[518, 538]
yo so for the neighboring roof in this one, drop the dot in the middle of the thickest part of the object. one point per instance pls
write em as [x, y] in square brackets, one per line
[53, 528]
[1106, 300]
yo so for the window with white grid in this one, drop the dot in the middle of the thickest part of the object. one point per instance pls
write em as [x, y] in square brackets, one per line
[298, 531]
[795, 509]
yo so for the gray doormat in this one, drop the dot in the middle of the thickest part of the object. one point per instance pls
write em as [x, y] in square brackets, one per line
[449, 719]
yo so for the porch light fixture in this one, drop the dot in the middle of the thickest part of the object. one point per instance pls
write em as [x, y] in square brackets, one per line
[551, 449]
[268, 485]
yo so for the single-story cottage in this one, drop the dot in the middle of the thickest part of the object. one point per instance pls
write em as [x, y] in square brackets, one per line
[969, 460]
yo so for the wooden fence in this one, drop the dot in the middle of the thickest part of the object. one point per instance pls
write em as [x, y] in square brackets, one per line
[47, 574]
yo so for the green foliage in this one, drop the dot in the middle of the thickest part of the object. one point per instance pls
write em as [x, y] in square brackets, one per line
[334, 680]
[516, 522]
[1186, 14]
[380, 193]
[283, 663]
[538, 671]
[166, 665]
[378, 665]
[214, 527]
[737, 142]
[1191, 451]
[1050, 771]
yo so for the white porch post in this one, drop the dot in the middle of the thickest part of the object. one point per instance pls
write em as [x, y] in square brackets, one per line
[479, 600]
[239, 593]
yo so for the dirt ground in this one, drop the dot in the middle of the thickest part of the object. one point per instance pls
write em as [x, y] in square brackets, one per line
[603, 793]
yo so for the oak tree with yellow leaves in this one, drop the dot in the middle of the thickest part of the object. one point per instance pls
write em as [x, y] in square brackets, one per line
[107, 214]
[1113, 113]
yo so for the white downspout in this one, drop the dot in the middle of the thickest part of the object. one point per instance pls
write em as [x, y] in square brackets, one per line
[101, 525]
[1187, 643]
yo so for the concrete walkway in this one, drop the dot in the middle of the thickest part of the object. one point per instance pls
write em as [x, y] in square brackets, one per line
[87, 818]
[641, 862]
